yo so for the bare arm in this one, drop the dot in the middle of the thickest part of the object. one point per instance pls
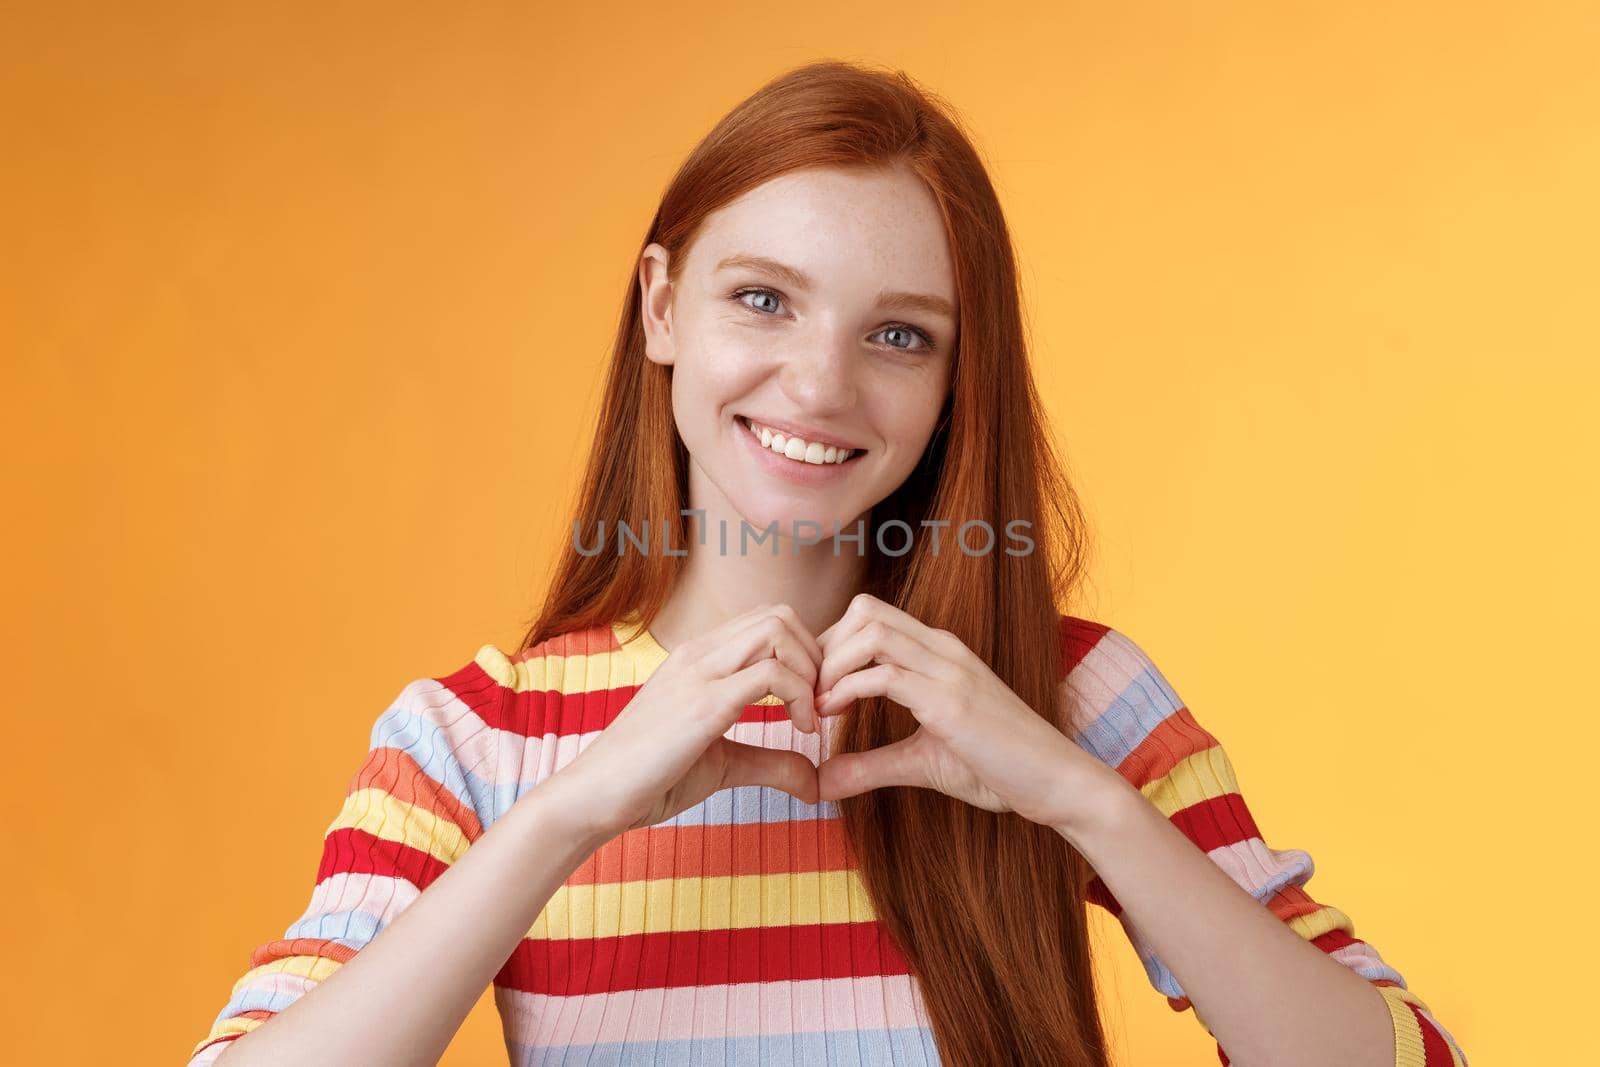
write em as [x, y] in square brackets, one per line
[409, 818]
[1264, 992]
[451, 941]
[1223, 921]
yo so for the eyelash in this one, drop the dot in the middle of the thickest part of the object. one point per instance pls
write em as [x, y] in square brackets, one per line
[737, 294]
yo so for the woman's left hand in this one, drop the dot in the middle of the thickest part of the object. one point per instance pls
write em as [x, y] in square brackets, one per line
[976, 740]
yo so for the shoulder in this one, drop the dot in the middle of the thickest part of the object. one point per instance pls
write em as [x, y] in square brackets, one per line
[1119, 705]
[575, 661]
[456, 703]
[516, 691]
[1099, 659]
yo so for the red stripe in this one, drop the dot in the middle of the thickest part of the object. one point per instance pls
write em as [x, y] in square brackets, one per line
[1335, 939]
[573, 967]
[543, 713]
[538, 712]
[351, 851]
[1435, 1050]
[1078, 638]
[478, 690]
[1216, 821]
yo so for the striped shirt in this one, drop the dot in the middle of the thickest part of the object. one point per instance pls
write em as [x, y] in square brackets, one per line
[737, 931]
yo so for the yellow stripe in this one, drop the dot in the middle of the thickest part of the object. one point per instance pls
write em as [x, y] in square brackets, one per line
[662, 905]
[1202, 775]
[567, 675]
[315, 968]
[383, 815]
[1320, 922]
[1409, 1050]
[576, 674]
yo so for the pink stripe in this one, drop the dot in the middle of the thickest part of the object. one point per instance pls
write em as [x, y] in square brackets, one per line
[209, 1054]
[745, 1009]
[1360, 956]
[379, 895]
[281, 982]
[543, 756]
[1252, 864]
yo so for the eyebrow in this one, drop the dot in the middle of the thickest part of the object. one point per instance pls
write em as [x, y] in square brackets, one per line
[900, 301]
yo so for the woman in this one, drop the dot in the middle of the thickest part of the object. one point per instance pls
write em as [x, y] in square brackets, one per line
[761, 793]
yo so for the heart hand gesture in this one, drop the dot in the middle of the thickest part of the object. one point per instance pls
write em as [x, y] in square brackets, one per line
[976, 740]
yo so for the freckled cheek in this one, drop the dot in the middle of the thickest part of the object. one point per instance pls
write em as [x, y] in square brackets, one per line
[737, 356]
[909, 420]
[717, 377]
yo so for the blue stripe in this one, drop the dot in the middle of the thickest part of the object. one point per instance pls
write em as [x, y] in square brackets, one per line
[902, 1047]
[251, 999]
[1143, 704]
[739, 806]
[411, 726]
[353, 928]
[747, 804]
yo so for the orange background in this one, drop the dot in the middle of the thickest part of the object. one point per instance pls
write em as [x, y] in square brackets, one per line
[304, 314]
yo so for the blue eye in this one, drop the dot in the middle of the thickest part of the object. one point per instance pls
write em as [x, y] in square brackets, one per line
[910, 330]
[743, 292]
[928, 342]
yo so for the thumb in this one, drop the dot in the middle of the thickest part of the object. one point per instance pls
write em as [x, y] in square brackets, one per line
[780, 768]
[897, 763]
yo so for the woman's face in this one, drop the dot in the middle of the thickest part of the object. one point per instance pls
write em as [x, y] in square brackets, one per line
[821, 304]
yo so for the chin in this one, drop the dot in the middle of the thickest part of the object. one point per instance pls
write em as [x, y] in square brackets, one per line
[766, 509]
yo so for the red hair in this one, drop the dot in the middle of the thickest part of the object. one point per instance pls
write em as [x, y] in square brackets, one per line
[988, 908]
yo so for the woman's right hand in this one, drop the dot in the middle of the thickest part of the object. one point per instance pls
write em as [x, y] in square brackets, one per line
[665, 751]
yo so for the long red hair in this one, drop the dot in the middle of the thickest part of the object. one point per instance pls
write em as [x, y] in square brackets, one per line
[989, 909]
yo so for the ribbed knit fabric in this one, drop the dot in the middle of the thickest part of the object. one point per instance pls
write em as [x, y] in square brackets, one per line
[738, 931]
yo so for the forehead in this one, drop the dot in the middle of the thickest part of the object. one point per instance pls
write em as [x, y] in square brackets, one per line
[843, 227]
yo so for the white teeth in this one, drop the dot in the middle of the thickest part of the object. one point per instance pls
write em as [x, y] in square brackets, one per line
[795, 448]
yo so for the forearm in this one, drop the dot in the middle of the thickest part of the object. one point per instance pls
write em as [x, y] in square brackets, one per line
[1268, 995]
[402, 998]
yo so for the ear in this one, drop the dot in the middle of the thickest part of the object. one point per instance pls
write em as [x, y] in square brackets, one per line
[655, 304]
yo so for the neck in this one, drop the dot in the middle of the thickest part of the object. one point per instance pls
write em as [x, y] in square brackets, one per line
[714, 585]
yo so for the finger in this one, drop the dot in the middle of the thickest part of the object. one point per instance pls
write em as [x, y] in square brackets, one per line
[859, 612]
[780, 768]
[806, 638]
[916, 691]
[769, 632]
[854, 614]
[881, 641]
[863, 609]
[769, 676]
[897, 763]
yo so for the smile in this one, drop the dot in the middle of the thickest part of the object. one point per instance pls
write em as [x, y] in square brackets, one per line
[795, 448]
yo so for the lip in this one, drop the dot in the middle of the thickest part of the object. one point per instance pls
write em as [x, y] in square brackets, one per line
[805, 433]
[808, 474]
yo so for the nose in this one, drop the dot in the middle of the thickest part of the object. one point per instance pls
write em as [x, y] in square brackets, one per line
[819, 376]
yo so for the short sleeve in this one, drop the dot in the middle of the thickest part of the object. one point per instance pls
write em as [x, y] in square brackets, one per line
[1129, 716]
[419, 798]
